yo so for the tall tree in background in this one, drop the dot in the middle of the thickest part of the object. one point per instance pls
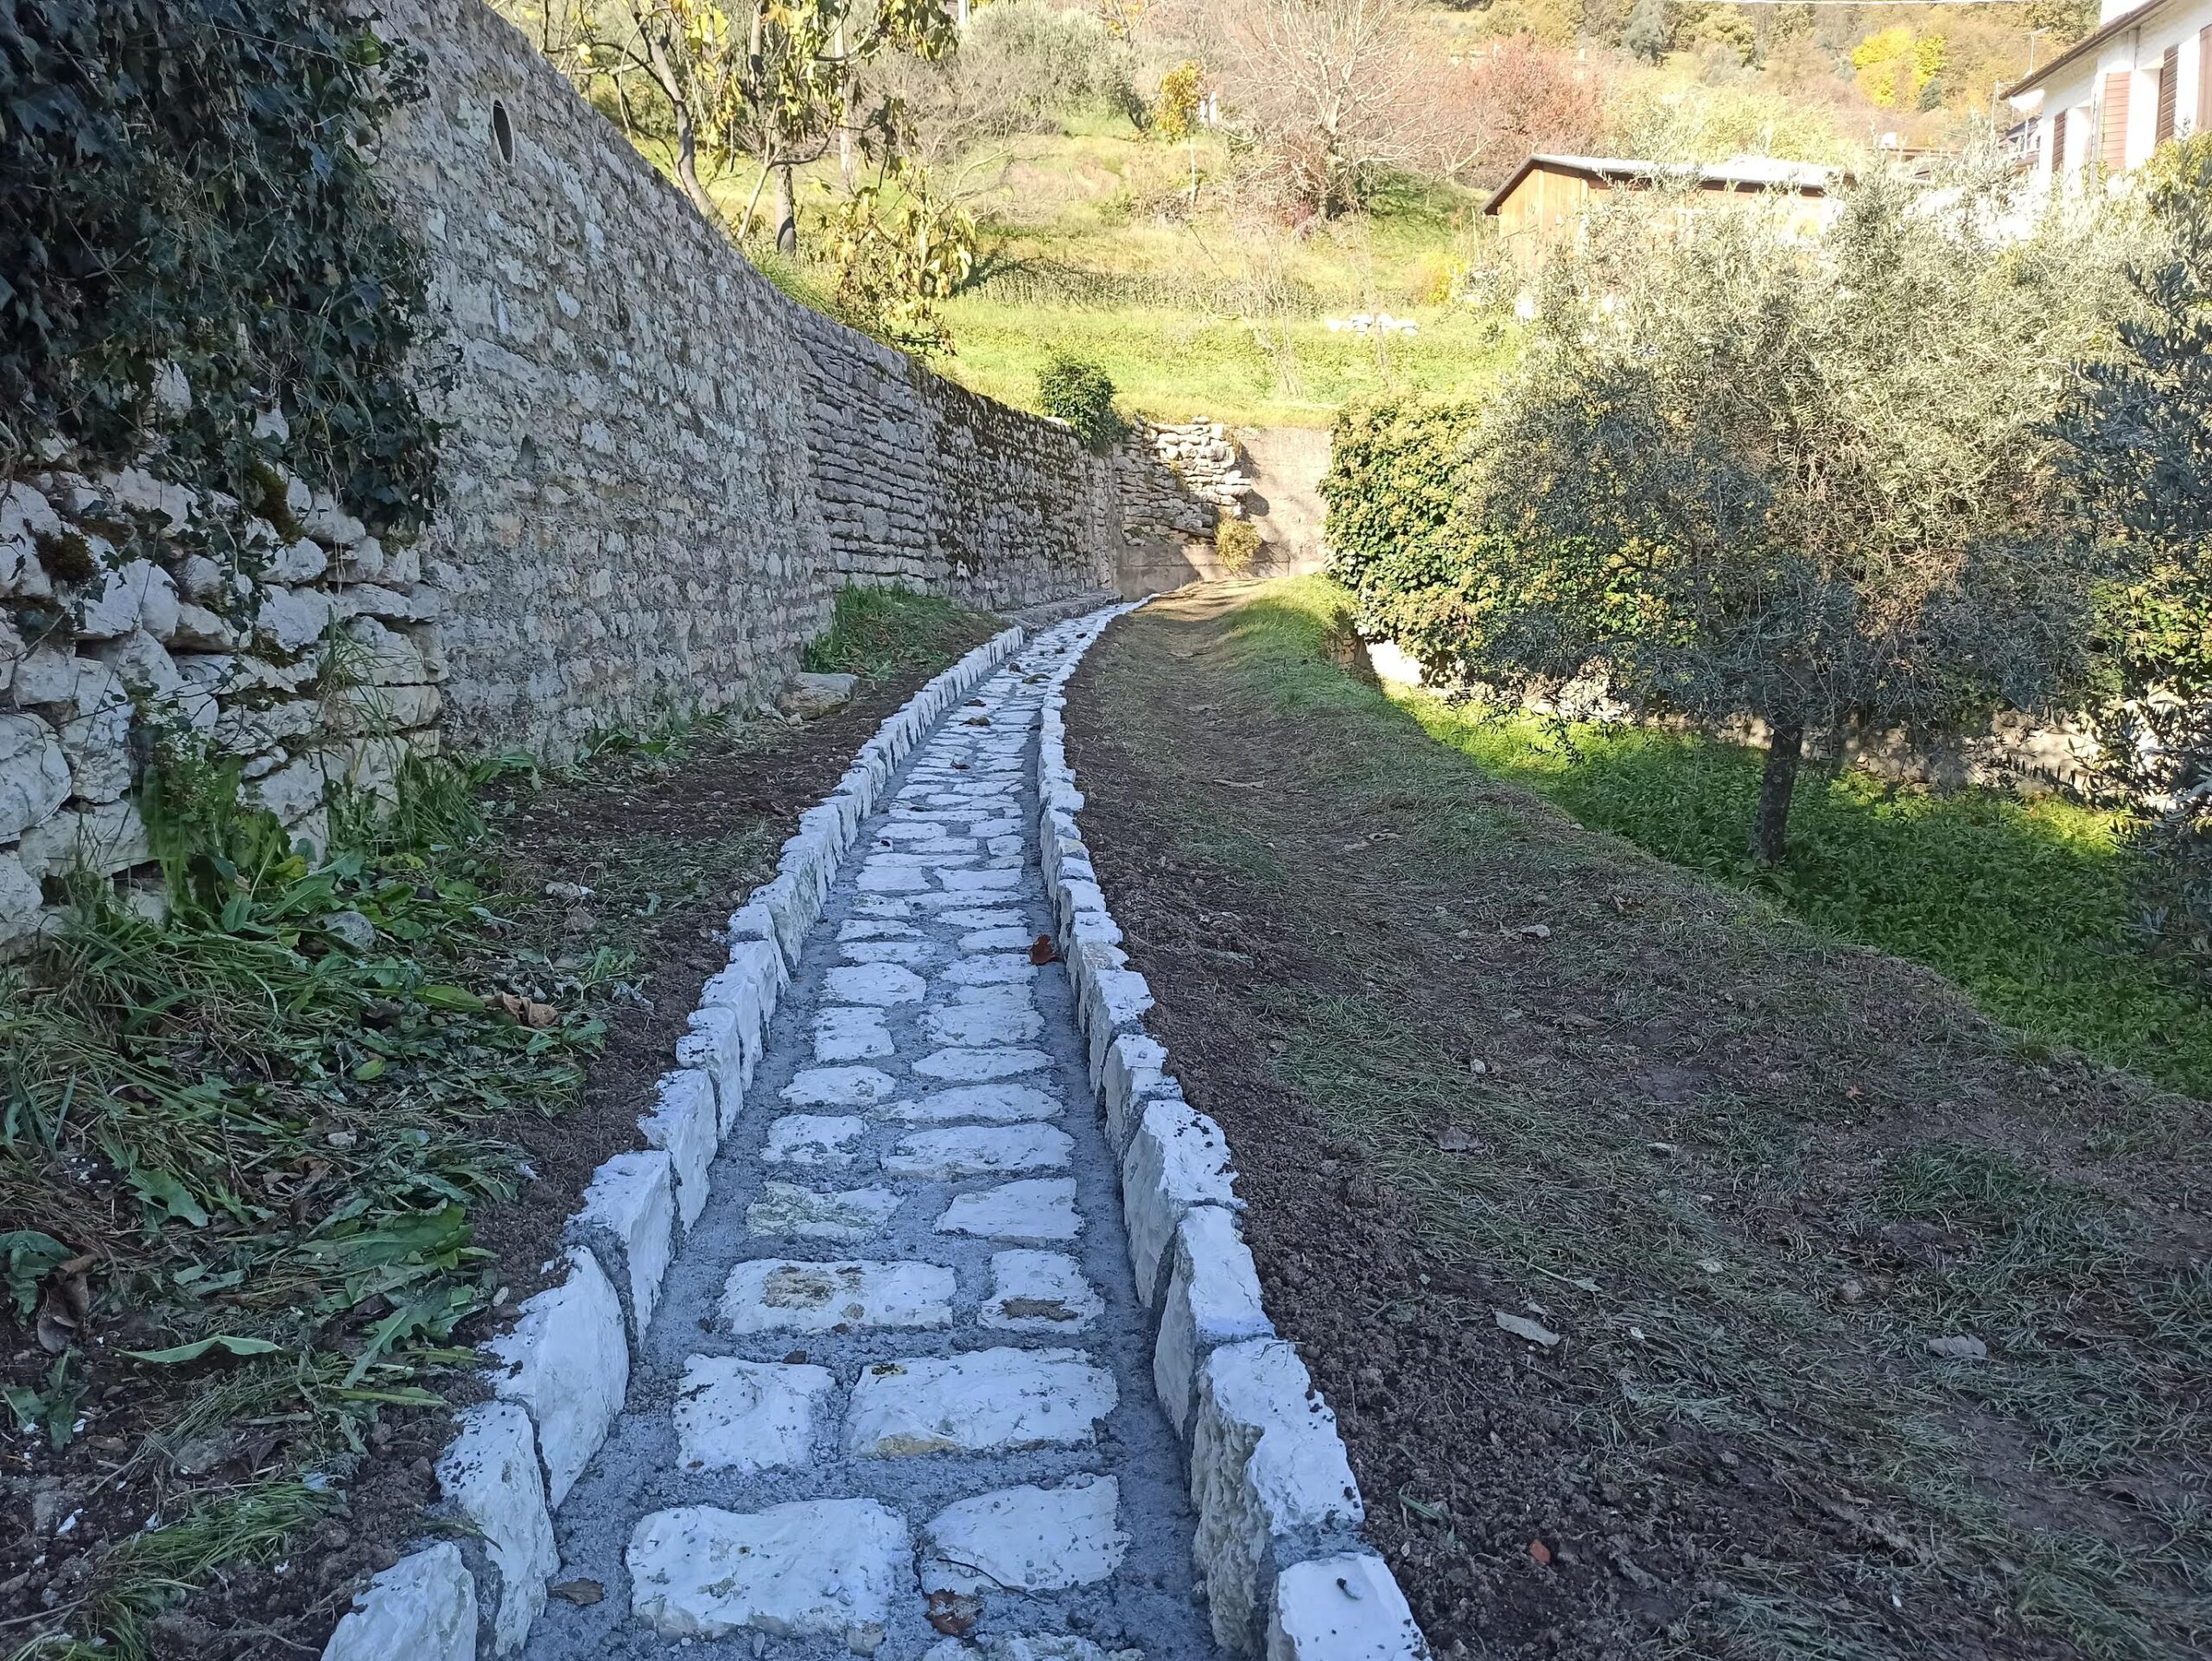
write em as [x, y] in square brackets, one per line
[2139, 436]
[1331, 88]
[775, 81]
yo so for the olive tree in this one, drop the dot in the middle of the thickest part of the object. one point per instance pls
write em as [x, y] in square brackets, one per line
[1748, 473]
[2138, 433]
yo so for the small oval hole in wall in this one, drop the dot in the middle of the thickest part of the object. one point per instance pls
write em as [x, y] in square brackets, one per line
[502, 132]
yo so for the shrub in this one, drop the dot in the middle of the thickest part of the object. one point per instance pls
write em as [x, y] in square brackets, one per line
[1394, 484]
[1079, 392]
[1175, 110]
[1236, 544]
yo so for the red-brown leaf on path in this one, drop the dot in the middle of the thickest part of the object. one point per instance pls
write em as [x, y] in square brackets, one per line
[1540, 1551]
[1042, 951]
[955, 1614]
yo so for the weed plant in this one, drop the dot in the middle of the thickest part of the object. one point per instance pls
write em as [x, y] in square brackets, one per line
[241, 1143]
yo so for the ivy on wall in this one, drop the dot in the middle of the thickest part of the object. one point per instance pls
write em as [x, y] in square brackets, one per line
[192, 234]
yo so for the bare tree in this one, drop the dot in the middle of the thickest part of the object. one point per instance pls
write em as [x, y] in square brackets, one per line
[1494, 107]
[1332, 89]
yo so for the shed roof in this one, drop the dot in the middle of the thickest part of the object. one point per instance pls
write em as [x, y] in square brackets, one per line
[1736, 173]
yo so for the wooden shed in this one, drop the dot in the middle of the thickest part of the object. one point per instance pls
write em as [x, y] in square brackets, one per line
[1547, 196]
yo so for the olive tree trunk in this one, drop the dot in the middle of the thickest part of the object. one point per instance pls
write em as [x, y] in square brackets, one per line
[1785, 749]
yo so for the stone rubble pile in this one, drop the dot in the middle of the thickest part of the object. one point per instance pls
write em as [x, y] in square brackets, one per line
[881, 1347]
[309, 657]
[1178, 480]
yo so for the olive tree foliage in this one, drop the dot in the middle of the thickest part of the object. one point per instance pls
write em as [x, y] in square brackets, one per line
[2139, 436]
[1743, 473]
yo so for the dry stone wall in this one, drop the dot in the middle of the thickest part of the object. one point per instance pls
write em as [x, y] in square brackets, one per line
[659, 467]
[657, 471]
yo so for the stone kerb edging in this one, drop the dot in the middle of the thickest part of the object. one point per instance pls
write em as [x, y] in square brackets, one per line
[1286, 1573]
[561, 1371]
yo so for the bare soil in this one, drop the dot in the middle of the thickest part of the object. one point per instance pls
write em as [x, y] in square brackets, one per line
[1475, 1061]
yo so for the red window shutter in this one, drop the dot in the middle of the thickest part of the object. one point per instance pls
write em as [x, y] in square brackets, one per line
[2169, 90]
[2116, 122]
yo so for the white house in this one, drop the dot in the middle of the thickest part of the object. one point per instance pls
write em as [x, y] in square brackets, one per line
[2143, 76]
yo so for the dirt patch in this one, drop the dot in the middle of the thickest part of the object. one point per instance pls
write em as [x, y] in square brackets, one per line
[1728, 1178]
[668, 836]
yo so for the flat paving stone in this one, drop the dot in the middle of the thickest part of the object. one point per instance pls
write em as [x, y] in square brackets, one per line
[969, 1024]
[1026, 1539]
[784, 1210]
[979, 1150]
[995, 940]
[993, 1104]
[814, 1139]
[990, 970]
[747, 1416]
[973, 1065]
[845, 1032]
[814, 1569]
[982, 1401]
[983, 917]
[1039, 1292]
[777, 1295]
[911, 953]
[876, 983]
[840, 1087]
[1025, 1646]
[1039, 1211]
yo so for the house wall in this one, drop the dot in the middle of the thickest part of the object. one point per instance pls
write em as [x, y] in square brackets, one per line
[2079, 94]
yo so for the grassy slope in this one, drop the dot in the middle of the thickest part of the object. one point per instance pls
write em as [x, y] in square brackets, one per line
[1091, 248]
[1747, 1174]
[2025, 904]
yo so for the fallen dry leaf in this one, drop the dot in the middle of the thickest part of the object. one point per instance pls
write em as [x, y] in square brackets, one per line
[582, 1593]
[955, 1614]
[1521, 1327]
[1540, 1551]
[1042, 951]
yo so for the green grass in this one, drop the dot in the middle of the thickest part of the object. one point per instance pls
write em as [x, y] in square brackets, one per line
[2025, 903]
[876, 633]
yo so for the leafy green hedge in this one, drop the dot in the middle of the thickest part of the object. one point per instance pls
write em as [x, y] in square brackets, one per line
[187, 183]
[1392, 483]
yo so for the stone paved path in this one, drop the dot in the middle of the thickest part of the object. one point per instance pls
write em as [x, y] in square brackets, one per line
[899, 1369]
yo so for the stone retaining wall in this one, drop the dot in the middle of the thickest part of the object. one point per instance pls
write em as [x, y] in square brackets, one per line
[659, 469]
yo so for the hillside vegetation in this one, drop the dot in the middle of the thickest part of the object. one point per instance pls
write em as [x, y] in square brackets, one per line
[1147, 185]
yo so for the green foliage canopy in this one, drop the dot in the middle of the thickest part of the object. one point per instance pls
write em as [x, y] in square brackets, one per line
[1080, 392]
[188, 185]
[1744, 474]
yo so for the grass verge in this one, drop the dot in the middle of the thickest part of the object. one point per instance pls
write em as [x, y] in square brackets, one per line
[2026, 904]
[1478, 1062]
